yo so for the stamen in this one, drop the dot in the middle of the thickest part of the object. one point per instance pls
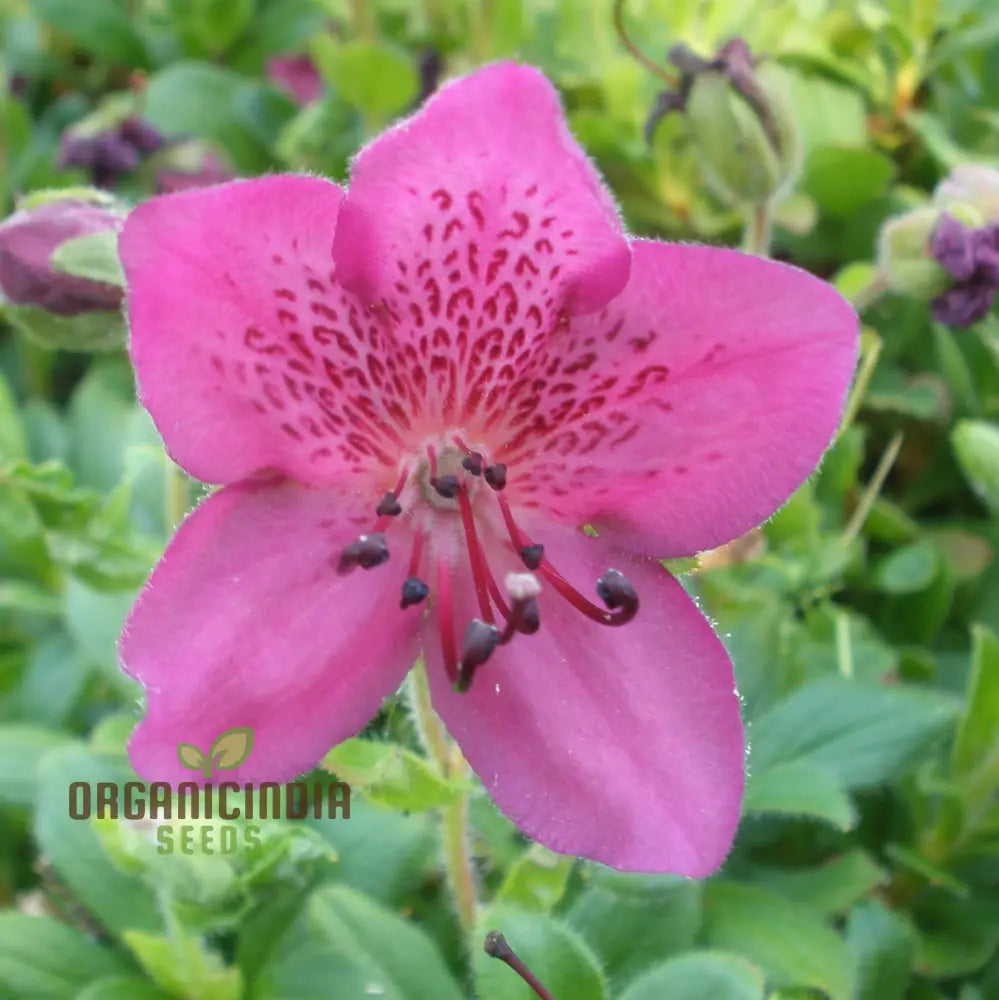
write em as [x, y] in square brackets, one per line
[475, 556]
[496, 946]
[385, 515]
[389, 506]
[445, 621]
[446, 486]
[525, 616]
[616, 591]
[473, 463]
[476, 647]
[414, 590]
[617, 587]
[495, 476]
[367, 552]
[532, 555]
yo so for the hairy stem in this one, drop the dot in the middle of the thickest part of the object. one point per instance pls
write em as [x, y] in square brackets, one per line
[756, 236]
[454, 817]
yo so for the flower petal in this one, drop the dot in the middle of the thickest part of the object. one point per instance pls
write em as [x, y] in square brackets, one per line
[245, 622]
[248, 354]
[689, 409]
[476, 223]
[622, 744]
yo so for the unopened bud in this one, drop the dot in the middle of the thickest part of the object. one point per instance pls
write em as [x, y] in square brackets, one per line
[297, 76]
[904, 255]
[31, 238]
[740, 121]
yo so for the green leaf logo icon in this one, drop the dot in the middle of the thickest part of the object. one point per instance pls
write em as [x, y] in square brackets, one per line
[230, 749]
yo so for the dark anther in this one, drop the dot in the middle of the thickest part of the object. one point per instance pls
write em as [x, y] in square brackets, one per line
[528, 616]
[388, 506]
[496, 946]
[532, 555]
[476, 647]
[473, 463]
[495, 475]
[616, 591]
[414, 590]
[446, 486]
[367, 552]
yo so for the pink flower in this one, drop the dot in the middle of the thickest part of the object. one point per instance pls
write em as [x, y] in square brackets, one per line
[458, 361]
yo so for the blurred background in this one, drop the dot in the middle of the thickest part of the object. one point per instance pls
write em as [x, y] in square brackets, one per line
[861, 619]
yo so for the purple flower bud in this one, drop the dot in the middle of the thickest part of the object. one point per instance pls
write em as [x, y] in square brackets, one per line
[141, 136]
[27, 241]
[297, 76]
[965, 303]
[106, 156]
[985, 247]
[951, 247]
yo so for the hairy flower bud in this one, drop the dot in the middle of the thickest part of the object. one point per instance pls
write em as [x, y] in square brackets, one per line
[110, 147]
[904, 255]
[741, 123]
[28, 241]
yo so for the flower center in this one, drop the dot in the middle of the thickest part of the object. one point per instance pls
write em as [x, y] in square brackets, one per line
[447, 478]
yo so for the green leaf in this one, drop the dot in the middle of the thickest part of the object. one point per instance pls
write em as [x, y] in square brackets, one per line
[556, 954]
[882, 945]
[798, 788]
[184, 966]
[374, 77]
[908, 569]
[634, 921]
[72, 848]
[861, 734]
[209, 27]
[21, 750]
[843, 179]
[348, 940]
[391, 775]
[123, 988]
[976, 743]
[214, 103]
[699, 975]
[102, 27]
[42, 959]
[829, 889]
[94, 257]
[976, 446]
[792, 945]
[13, 438]
[103, 330]
[536, 880]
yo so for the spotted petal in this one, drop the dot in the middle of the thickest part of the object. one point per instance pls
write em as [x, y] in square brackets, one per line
[476, 223]
[690, 408]
[245, 622]
[622, 744]
[247, 352]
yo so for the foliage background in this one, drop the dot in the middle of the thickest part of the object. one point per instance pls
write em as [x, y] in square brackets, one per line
[859, 618]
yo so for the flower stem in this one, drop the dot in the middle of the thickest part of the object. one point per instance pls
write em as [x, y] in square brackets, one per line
[454, 817]
[756, 236]
[877, 481]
